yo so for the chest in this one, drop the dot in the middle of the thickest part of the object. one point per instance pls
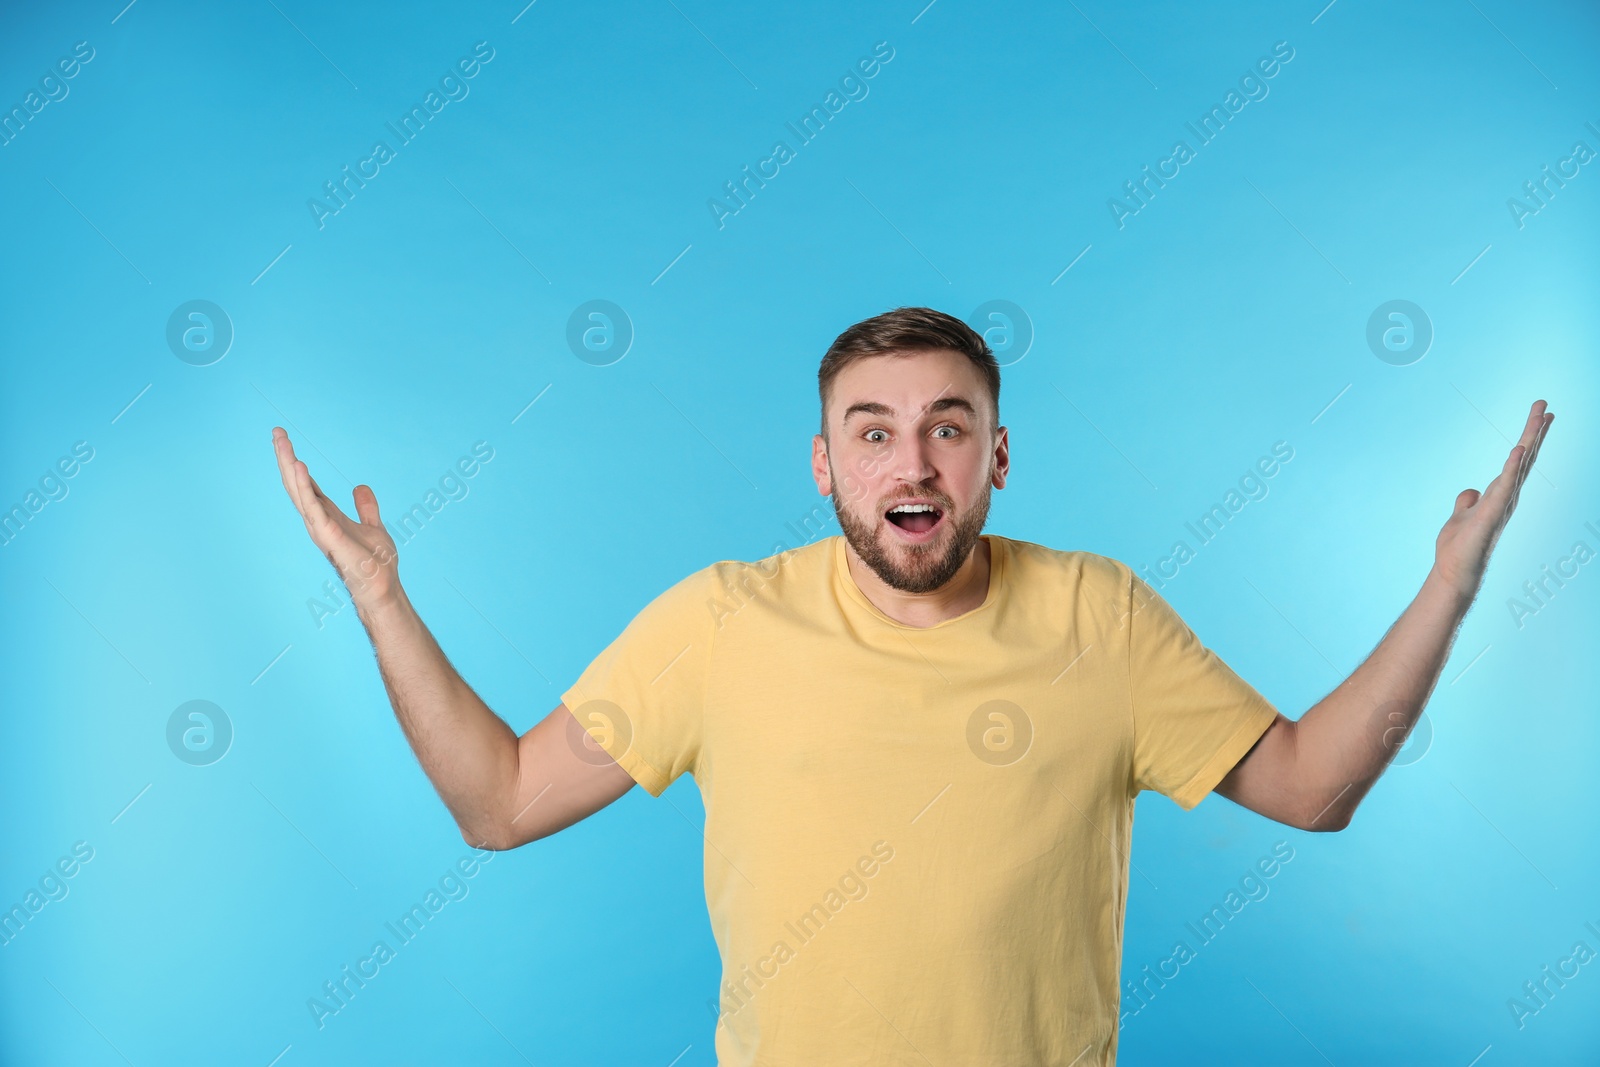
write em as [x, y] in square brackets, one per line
[834, 726]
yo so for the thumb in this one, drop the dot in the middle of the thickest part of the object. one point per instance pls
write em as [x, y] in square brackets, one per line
[1466, 499]
[366, 505]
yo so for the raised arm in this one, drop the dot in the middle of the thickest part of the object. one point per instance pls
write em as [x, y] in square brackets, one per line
[502, 790]
[1313, 773]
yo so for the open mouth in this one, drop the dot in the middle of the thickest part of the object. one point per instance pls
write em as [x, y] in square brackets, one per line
[917, 520]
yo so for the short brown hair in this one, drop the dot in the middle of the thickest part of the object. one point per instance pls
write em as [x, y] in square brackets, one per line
[905, 329]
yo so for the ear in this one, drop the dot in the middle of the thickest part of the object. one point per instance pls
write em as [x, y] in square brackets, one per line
[819, 465]
[1002, 458]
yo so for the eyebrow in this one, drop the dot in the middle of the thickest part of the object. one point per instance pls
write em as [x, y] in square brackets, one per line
[873, 407]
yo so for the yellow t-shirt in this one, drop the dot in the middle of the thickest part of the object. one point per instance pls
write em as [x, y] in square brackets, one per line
[916, 839]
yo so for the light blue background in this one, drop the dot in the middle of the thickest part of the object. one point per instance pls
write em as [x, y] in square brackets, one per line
[1228, 314]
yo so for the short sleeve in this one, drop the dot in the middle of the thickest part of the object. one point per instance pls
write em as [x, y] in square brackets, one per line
[1193, 717]
[641, 698]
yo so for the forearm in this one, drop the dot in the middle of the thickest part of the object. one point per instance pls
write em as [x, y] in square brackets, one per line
[1342, 745]
[1346, 740]
[467, 751]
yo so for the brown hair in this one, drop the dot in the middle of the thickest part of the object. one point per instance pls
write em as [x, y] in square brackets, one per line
[901, 330]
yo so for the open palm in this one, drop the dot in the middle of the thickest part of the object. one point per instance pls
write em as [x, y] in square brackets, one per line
[362, 552]
[1461, 554]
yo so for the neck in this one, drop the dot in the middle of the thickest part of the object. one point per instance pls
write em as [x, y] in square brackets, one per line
[961, 594]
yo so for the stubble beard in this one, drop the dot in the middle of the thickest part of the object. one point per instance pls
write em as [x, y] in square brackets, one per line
[907, 567]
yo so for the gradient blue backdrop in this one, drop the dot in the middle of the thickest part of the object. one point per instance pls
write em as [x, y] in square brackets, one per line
[1229, 313]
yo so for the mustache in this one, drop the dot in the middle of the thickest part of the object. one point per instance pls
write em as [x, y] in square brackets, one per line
[939, 499]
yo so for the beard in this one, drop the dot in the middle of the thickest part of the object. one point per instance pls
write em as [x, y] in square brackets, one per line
[907, 567]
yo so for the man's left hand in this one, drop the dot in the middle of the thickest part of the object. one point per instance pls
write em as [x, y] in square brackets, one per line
[1461, 554]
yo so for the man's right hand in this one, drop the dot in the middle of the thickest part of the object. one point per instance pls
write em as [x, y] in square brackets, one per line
[362, 552]
[501, 789]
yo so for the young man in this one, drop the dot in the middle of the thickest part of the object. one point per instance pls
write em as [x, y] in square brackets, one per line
[919, 745]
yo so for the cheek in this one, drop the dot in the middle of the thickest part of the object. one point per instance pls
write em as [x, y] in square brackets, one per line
[857, 494]
[970, 475]
[852, 476]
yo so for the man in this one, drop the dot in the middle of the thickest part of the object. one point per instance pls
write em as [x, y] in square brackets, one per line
[919, 745]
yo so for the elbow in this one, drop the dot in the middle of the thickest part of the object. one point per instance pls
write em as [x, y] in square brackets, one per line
[492, 839]
[1331, 817]
[501, 836]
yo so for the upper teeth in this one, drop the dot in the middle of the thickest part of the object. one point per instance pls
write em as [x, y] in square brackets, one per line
[911, 508]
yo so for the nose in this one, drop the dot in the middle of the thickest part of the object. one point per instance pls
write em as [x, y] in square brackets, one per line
[913, 461]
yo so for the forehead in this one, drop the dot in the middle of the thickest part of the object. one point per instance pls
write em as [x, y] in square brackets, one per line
[907, 384]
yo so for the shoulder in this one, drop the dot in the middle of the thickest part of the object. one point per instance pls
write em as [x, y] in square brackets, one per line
[774, 577]
[1088, 592]
[1036, 563]
[734, 581]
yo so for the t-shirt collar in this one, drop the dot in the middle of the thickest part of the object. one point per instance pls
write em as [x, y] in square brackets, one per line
[845, 584]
